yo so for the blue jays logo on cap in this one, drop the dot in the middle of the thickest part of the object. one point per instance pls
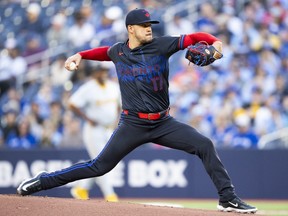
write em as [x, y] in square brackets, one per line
[139, 16]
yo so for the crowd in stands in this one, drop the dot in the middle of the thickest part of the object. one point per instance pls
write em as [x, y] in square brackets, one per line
[235, 101]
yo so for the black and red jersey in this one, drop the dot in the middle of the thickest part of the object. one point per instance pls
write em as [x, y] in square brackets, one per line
[143, 73]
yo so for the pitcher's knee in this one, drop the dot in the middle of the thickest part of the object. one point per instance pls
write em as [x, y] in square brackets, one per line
[206, 145]
[100, 168]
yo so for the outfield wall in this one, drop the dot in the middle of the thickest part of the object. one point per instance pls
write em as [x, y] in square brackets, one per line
[150, 173]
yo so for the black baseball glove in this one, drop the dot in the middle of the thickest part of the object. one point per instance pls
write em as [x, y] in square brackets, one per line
[202, 54]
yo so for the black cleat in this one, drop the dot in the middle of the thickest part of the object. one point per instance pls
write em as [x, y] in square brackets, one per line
[236, 205]
[31, 185]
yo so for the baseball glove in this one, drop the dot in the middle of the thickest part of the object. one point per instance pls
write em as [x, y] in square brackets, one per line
[202, 54]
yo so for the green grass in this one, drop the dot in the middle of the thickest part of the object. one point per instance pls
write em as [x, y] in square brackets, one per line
[265, 207]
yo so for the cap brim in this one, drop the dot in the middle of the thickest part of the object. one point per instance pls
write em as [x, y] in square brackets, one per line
[150, 21]
[154, 22]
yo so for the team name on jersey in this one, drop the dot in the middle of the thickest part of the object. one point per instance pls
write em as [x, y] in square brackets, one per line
[152, 67]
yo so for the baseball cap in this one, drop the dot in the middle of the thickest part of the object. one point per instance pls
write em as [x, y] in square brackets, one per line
[139, 16]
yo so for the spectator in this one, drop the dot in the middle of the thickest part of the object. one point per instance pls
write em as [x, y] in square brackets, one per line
[89, 13]
[34, 48]
[199, 120]
[50, 136]
[108, 31]
[9, 124]
[179, 24]
[281, 86]
[80, 33]
[275, 17]
[36, 120]
[72, 133]
[206, 21]
[222, 130]
[12, 101]
[12, 66]
[283, 52]
[34, 23]
[55, 116]
[57, 33]
[264, 121]
[58, 74]
[44, 97]
[23, 138]
[243, 136]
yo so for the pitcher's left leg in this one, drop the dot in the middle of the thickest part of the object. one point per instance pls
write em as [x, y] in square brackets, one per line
[180, 136]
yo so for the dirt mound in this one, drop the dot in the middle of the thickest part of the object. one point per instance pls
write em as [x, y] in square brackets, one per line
[35, 205]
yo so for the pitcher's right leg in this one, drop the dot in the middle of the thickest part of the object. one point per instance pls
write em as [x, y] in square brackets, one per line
[124, 139]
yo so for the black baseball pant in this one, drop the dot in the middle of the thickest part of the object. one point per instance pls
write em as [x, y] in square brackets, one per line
[133, 132]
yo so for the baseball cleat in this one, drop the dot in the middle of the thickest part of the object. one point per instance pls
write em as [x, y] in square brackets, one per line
[31, 185]
[80, 193]
[111, 198]
[236, 205]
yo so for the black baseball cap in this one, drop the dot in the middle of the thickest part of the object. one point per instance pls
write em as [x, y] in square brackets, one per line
[139, 16]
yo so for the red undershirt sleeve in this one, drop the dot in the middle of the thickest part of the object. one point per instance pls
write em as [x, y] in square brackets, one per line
[99, 54]
[197, 37]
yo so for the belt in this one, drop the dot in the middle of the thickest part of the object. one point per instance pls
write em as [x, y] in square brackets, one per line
[149, 116]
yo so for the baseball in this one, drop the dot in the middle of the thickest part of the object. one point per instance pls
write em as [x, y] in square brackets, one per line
[72, 66]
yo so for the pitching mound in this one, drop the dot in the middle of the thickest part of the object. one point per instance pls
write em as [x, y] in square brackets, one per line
[12, 205]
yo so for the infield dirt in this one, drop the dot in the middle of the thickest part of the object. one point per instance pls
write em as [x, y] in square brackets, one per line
[14, 205]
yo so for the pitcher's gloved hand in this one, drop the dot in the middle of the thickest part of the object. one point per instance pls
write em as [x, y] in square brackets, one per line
[202, 54]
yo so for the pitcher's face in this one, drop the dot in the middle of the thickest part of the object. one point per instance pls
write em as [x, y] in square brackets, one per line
[142, 32]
